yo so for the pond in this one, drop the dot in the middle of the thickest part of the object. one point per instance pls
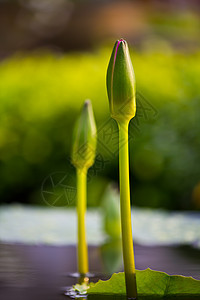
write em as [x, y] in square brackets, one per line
[36, 264]
[30, 271]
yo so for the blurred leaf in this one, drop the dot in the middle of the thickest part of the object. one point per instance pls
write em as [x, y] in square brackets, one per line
[111, 253]
[111, 212]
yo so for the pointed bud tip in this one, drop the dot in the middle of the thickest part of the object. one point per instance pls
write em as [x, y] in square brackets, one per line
[87, 102]
[118, 43]
[121, 82]
[121, 41]
[84, 138]
[87, 105]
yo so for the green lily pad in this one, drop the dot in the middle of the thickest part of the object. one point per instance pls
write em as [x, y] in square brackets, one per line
[153, 284]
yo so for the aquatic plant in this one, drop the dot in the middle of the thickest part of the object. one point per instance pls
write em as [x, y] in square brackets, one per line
[83, 156]
[121, 95]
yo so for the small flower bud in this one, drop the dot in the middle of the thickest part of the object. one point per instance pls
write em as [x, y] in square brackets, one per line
[84, 138]
[121, 83]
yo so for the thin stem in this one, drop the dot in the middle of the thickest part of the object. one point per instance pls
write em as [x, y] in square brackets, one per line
[81, 209]
[127, 239]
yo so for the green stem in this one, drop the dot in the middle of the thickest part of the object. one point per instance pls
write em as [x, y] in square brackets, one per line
[127, 239]
[81, 209]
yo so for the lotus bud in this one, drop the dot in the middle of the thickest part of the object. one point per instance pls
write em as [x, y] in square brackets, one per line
[84, 138]
[121, 94]
[121, 83]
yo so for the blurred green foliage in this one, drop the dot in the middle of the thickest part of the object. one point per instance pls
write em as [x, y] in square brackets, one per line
[40, 99]
[111, 212]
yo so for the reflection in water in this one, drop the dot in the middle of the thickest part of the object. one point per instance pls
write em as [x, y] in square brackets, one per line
[123, 297]
[118, 297]
[81, 286]
[106, 297]
[72, 294]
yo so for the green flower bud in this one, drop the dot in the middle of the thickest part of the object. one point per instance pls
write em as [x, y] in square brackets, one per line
[84, 138]
[121, 83]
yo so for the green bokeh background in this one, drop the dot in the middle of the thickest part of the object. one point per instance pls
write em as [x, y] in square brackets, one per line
[41, 96]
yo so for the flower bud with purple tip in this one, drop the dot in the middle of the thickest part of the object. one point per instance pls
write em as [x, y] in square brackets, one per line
[121, 83]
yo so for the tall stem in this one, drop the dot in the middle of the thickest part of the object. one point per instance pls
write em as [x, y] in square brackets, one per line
[127, 239]
[81, 209]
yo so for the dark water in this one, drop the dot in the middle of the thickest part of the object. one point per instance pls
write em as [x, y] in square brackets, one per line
[44, 272]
